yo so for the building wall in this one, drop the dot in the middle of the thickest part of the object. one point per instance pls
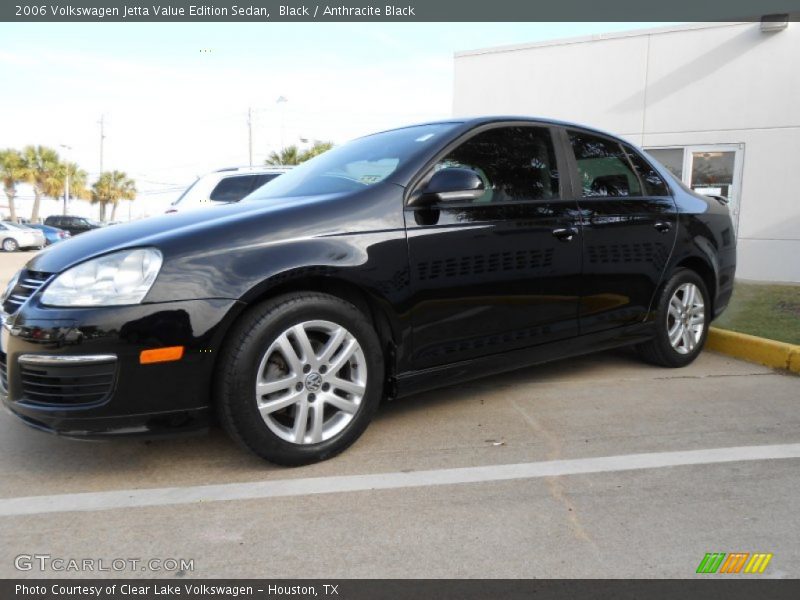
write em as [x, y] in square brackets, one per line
[699, 84]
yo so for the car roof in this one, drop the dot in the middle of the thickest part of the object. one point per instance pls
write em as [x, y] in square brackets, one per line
[473, 122]
[254, 170]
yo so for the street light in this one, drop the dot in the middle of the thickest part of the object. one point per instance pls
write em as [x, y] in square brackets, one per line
[66, 179]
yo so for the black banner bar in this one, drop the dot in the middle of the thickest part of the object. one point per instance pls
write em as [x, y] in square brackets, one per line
[392, 10]
[721, 588]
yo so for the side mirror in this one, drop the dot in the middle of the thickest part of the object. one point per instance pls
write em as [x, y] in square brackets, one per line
[455, 184]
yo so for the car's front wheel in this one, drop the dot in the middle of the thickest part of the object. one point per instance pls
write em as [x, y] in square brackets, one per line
[681, 321]
[10, 245]
[300, 378]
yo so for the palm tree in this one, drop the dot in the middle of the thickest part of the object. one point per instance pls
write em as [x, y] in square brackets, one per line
[287, 156]
[40, 165]
[110, 188]
[12, 173]
[316, 149]
[57, 184]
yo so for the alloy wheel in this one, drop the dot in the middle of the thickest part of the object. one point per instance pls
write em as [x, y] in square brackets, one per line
[310, 382]
[686, 318]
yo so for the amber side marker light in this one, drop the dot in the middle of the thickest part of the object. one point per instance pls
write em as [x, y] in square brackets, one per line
[158, 355]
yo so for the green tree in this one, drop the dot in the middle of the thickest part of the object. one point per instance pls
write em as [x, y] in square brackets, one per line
[110, 188]
[291, 155]
[57, 184]
[316, 149]
[288, 156]
[40, 165]
[12, 172]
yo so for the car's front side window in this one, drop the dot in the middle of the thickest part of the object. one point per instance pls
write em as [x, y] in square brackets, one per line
[603, 167]
[516, 164]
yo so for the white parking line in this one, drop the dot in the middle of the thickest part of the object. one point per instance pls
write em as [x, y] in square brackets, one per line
[136, 498]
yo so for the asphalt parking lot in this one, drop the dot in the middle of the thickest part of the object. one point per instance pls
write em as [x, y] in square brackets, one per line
[427, 491]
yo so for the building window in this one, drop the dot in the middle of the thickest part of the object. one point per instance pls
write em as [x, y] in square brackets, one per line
[672, 158]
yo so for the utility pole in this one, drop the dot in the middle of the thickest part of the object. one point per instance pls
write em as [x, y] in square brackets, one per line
[281, 102]
[250, 134]
[102, 137]
[66, 178]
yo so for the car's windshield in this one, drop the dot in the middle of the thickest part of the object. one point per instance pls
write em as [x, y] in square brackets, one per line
[355, 165]
[186, 191]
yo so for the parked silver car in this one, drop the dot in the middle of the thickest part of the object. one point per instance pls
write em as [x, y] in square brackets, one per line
[13, 237]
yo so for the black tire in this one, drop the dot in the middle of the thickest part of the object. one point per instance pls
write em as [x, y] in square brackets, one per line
[246, 344]
[10, 245]
[659, 351]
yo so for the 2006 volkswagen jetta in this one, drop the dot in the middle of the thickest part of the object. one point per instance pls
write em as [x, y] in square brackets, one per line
[404, 260]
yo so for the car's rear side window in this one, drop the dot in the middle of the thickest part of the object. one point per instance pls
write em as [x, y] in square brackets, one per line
[603, 167]
[232, 189]
[654, 185]
[262, 179]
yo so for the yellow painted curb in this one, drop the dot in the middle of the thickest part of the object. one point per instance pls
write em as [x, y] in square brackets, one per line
[778, 355]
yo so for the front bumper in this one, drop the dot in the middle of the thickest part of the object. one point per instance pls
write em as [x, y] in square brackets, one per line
[76, 372]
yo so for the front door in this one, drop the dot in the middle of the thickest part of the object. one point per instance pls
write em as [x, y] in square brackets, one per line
[500, 272]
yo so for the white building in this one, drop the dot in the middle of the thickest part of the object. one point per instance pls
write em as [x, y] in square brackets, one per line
[719, 104]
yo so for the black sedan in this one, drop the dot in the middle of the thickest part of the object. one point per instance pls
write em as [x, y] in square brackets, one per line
[405, 260]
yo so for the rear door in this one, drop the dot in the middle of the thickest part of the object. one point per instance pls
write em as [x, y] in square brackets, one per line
[629, 229]
[500, 272]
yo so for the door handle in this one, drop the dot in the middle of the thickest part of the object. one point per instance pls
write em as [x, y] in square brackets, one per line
[565, 234]
[662, 226]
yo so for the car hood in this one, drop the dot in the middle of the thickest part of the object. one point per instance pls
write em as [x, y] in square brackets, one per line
[181, 232]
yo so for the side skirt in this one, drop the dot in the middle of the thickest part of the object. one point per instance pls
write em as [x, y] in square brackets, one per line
[414, 382]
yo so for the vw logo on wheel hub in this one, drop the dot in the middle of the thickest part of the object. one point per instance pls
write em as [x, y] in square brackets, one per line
[313, 382]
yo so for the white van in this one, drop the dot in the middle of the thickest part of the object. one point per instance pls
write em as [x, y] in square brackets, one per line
[224, 186]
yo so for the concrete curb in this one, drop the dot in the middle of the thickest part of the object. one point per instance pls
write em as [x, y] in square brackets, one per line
[778, 355]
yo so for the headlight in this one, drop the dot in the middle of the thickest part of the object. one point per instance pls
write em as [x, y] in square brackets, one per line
[121, 278]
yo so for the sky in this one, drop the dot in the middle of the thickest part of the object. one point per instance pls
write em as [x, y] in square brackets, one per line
[174, 98]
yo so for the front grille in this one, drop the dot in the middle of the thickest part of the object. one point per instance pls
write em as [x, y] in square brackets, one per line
[67, 384]
[27, 285]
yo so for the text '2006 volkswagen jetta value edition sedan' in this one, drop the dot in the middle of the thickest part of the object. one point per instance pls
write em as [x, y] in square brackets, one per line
[401, 261]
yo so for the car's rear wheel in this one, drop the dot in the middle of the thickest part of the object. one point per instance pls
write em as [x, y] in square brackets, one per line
[681, 321]
[10, 245]
[300, 378]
